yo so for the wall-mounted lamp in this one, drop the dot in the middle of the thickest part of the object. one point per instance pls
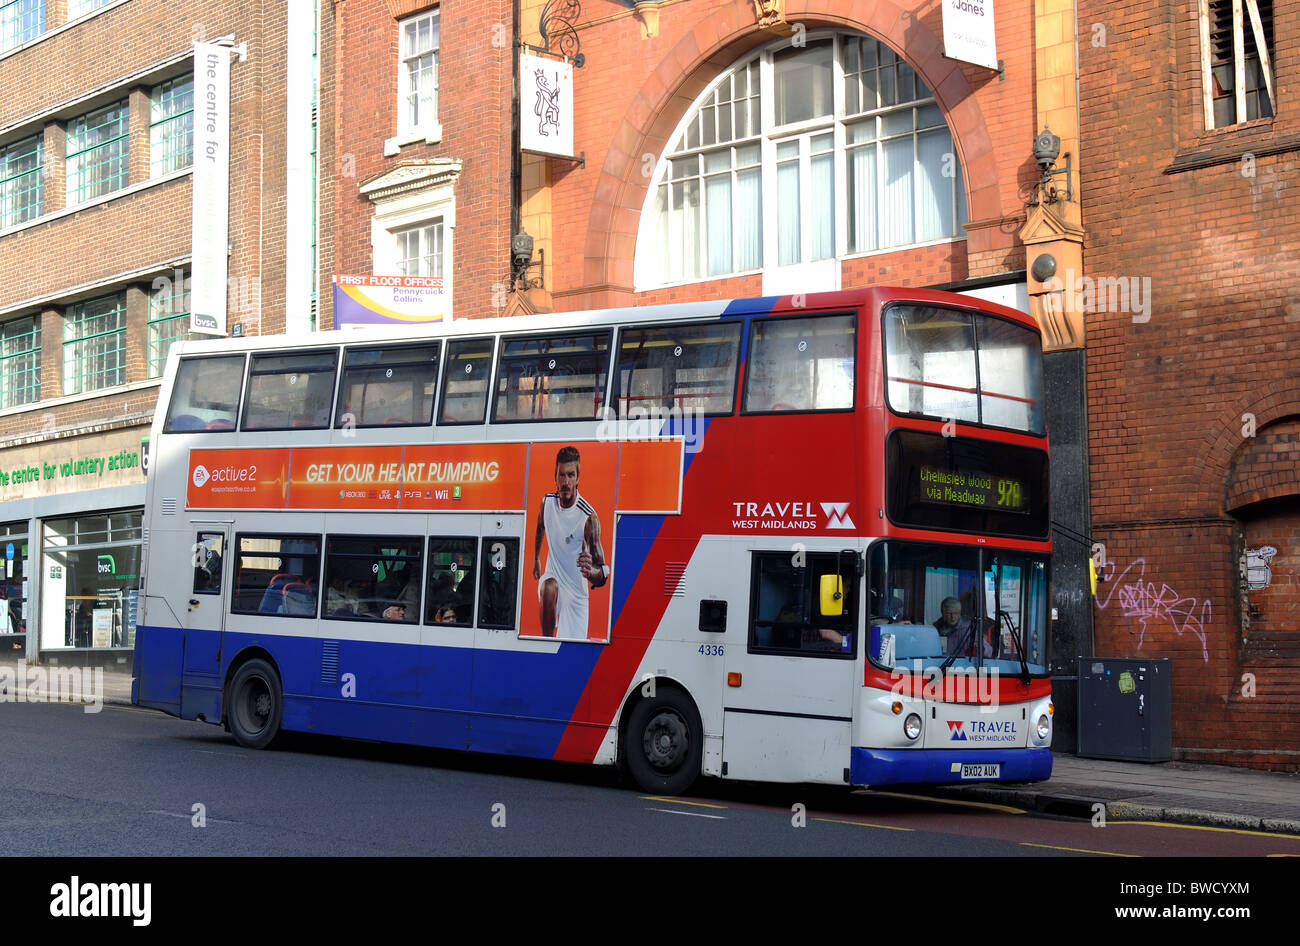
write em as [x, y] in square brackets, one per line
[521, 260]
[1047, 148]
[1044, 267]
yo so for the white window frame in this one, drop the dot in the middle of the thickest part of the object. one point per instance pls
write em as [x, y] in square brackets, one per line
[429, 130]
[422, 230]
[823, 274]
[404, 212]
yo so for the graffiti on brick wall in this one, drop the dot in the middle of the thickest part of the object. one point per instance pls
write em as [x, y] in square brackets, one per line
[1153, 603]
[1255, 568]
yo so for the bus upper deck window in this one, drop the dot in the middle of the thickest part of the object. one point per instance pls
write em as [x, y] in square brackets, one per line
[292, 391]
[930, 362]
[803, 364]
[387, 387]
[206, 394]
[1011, 376]
[686, 368]
[552, 377]
[966, 366]
[465, 382]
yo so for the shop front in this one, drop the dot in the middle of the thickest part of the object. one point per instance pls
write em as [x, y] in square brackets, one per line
[91, 570]
[70, 532]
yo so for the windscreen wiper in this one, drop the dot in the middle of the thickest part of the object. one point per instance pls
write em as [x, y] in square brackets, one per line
[1020, 649]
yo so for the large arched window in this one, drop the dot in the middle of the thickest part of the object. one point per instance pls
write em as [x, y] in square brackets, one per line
[797, 157]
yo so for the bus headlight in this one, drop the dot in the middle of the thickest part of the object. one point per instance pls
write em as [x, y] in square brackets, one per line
[912, 726]
[1044, 727]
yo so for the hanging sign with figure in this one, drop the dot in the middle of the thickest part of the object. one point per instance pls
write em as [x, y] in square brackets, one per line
[545, 105]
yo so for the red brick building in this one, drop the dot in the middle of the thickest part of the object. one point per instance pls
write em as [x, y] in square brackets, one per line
[421, 128]
[652, 92]
[1191, 161]
[97, 155]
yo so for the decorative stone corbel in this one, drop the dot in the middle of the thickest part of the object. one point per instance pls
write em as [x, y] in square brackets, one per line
[1054, 261]
[647, 14]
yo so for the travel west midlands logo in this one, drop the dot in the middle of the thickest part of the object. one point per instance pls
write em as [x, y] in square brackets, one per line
[994, 730]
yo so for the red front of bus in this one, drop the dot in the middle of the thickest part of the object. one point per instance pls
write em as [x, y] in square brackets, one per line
[955, 685]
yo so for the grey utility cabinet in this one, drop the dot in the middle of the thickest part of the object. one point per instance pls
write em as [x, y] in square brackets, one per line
[1124, 709]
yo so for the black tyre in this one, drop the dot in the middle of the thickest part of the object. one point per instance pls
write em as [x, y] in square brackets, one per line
[254, 704]
[664, 743]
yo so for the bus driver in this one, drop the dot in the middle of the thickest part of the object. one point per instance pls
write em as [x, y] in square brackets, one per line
[574, 558]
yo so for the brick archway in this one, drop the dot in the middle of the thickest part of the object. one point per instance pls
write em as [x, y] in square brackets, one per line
[1266, 467]
[1208, 484]
[712, 47]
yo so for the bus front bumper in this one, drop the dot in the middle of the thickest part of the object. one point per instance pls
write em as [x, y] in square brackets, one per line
[908, 766]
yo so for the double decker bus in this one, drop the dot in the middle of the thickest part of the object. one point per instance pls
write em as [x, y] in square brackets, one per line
[789, 539]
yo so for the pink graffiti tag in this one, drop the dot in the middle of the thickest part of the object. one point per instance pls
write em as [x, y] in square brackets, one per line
[1140, 599]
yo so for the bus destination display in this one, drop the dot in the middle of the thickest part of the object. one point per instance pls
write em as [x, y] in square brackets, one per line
[952, 487]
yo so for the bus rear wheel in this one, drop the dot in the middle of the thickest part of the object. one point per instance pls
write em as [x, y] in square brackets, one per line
[664, 743]
[255, 704]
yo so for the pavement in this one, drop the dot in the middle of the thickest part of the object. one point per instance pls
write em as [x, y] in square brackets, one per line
[1173, 792]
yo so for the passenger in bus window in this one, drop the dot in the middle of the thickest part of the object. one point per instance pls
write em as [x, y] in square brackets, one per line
[409, 596]
[445, 615]
[574, 558]
[341, 598]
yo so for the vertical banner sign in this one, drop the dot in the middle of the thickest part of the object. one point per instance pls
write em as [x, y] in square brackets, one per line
[545, 105]
[968, 32]
[211, 188]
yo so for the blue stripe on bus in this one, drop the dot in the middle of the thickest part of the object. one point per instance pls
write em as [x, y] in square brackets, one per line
[907, 766]
[502, 701]
[738, 308]
[636, 535]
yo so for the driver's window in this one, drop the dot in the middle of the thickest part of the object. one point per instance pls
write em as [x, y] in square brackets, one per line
[787, 616]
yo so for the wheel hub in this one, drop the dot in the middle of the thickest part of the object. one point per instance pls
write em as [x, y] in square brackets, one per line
[666, 741]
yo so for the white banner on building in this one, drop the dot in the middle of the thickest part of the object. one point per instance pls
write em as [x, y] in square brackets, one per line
[968, 32]
[545, 105]
[211, 227]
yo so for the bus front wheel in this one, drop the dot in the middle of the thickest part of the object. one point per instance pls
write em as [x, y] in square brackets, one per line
[664, 743]
[255, 704]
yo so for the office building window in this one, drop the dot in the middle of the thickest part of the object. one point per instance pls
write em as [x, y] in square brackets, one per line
[97, 153]
[169, 319]
[20, 20]
[171, 126]
[417, 105]
[20, 362]
[78, 8]
[419, 250]
[94, 344]
[21, 184]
